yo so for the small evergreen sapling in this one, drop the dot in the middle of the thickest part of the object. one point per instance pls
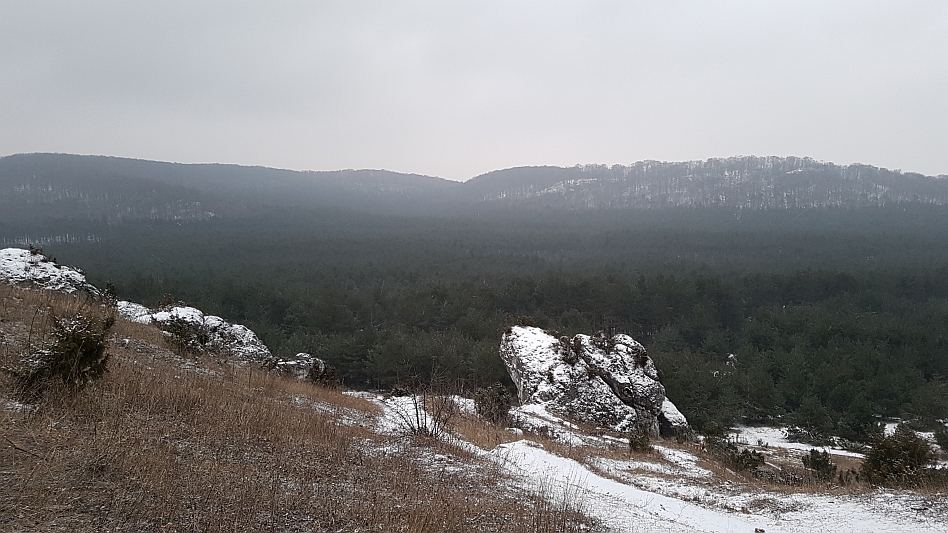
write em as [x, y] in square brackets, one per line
[76, 357]
[899, 459]
[819, 464]
[324, 374]
[639, 441]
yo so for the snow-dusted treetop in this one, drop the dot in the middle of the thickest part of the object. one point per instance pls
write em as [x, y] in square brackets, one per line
[19, 266]
[610, 382]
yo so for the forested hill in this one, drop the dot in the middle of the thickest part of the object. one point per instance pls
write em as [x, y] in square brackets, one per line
[63, 185]
[36, 186]
[737, 182]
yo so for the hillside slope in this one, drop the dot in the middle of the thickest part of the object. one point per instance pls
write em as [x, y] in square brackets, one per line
[174, 442]
[65, 185]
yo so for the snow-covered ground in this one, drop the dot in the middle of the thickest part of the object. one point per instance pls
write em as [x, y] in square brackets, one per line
[669, 491]
[623, 506]
[776, 438]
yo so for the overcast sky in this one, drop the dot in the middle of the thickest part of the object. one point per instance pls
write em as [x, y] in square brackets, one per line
[456, 89]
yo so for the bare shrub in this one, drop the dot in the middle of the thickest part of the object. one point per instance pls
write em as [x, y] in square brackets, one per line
[493, 403]
[427, 409]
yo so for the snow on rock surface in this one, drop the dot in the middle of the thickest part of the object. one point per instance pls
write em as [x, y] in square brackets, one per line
[610, 382]
[300, 366]
[671, 418]
[18, 266]
[213, 331]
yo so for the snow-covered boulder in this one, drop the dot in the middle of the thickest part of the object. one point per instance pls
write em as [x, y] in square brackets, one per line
[305, 366]
[206, 332]
[298, 367]
[670, 420]
[22, 267]
[610, 382]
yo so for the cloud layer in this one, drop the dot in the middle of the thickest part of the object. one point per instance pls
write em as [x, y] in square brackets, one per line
[459, 88]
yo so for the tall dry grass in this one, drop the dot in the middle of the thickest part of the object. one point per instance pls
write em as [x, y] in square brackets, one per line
[167, 444]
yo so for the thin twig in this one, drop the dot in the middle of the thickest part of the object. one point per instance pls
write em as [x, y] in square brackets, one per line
[15, 447]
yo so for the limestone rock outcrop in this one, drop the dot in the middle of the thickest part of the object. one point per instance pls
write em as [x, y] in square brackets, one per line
[31, 267]
[306, 366]
[195, 330]
[607, 381]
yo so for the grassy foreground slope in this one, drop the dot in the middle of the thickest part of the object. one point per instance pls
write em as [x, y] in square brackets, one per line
[171, 443]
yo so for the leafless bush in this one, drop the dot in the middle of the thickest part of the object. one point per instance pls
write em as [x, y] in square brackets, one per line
[427, 410]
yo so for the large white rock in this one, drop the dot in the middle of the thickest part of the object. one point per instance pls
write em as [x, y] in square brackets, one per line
[609, 382]
[29, 267]
[214, 332]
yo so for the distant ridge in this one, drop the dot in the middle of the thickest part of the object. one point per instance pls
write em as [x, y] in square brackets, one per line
[738, 182]
[114, 190]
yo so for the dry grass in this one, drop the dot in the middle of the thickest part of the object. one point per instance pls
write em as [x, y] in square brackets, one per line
[158, 445]
[480, 432]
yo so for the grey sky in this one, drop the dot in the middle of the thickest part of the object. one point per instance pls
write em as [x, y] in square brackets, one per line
[455, 89]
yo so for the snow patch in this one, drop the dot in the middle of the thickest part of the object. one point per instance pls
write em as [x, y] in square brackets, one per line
[775, 437]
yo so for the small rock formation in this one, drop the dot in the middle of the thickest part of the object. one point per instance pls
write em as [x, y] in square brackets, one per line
[305, 366]
[201, 332]
[31, 267]
[194, 328]
[321, 372]
[299, 367]
[610, 382]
